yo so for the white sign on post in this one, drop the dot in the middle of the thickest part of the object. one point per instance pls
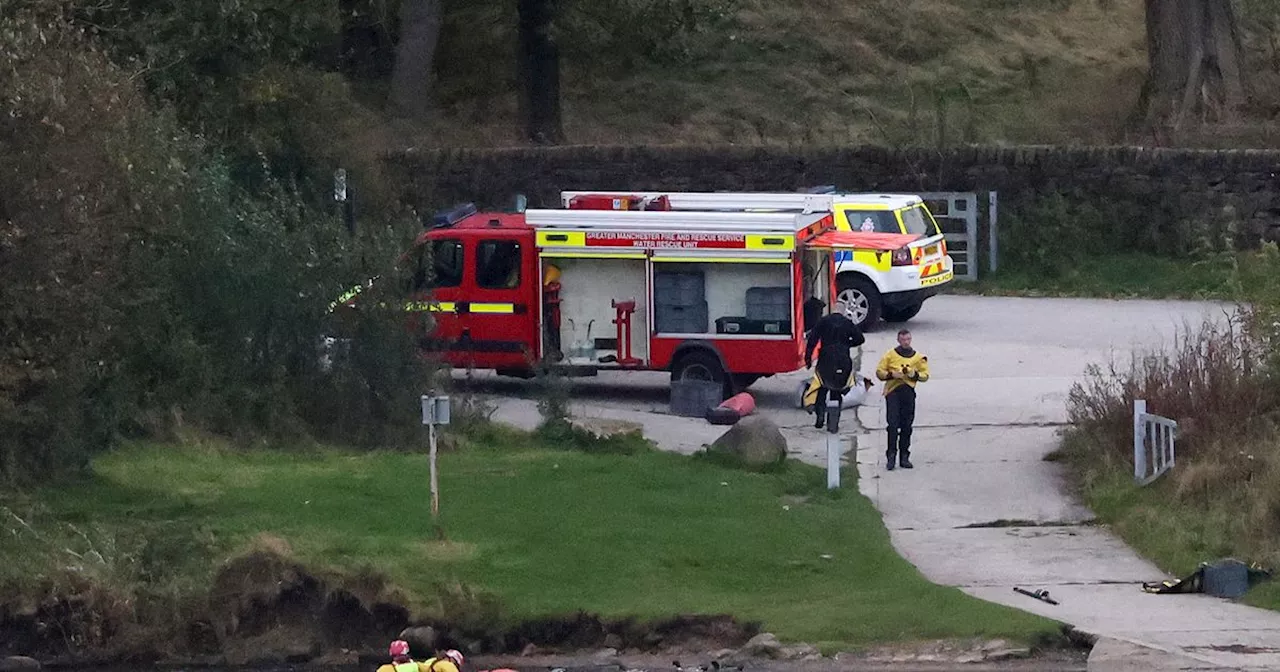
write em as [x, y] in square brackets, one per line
[435, 411]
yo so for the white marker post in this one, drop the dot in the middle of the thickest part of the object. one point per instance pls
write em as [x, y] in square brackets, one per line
[435, 411]
[833, 461]
[1139, 443]
[833, 444]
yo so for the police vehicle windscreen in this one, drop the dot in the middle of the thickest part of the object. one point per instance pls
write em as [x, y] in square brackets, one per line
[880, 221]
[918, 223]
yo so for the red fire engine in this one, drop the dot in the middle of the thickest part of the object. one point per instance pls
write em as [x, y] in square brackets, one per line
[717, 296]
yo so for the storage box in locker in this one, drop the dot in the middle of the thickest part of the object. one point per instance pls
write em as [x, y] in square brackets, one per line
[669, 319]
[678, 289]
[667, 280]
[769, 303]
[742, 325]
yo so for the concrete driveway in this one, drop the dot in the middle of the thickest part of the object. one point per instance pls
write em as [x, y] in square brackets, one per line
[1002, 368]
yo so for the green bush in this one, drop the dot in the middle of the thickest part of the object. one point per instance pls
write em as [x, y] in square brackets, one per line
[147, 286]
[1259, 282]
[1054, 232]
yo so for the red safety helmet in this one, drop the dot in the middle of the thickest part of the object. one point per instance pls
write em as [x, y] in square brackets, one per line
[399, 648]
[455, 655]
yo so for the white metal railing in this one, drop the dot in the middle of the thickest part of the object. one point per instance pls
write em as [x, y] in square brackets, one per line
[1153, 444]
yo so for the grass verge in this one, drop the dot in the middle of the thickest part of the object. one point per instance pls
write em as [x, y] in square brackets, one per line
[1178, 529]
[545, 531]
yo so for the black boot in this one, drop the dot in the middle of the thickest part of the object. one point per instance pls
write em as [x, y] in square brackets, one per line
[904, 448]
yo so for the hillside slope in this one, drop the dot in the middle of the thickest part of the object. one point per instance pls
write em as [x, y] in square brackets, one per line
[878, 71]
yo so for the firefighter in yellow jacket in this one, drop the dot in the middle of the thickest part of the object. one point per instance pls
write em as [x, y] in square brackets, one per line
[401, 661]
[902, 368]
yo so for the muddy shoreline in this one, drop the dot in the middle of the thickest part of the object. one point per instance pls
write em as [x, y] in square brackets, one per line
[762, 653]
[264, 611]
[925, 657]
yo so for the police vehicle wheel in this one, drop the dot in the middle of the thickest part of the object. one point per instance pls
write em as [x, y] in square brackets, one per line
[861, 300]
[902, 313]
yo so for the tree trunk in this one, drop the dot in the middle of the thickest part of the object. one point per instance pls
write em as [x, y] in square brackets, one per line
[355, 42]
[539, 61]
[365, 51]
[415, 52]
[1194, 53]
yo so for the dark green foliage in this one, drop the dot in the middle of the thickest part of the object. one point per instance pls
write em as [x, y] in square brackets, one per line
[1053, 233]
[147, 288]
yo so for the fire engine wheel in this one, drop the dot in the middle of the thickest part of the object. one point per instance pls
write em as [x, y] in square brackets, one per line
[700, 365]
[861, 300]
[902, 313]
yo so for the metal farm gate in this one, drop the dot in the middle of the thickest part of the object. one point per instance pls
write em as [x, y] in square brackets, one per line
[957, 215]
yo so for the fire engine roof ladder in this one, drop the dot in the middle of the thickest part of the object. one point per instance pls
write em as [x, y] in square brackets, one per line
[764, 236]
[691, 200]
[778, 223]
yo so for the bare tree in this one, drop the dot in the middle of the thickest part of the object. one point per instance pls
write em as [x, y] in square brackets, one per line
[1194, 54]
[539, 61]
[415, 52]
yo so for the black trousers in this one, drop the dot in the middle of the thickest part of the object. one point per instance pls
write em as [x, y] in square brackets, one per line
[899, 415]
[836, 372]
[820, 407]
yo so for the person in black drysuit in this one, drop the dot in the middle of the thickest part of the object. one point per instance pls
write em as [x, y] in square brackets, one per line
[838, 335]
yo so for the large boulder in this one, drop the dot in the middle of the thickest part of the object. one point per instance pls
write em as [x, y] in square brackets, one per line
[423, 640]
[19, 664]
[764, 645]
[753, 442]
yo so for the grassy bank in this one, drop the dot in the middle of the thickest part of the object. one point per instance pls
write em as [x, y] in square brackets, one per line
[1196, 514]
[1219, 382]
[1118, 276]
[543, 531]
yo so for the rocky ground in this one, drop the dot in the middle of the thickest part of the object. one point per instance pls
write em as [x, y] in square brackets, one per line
[762, 654]
[765, 654]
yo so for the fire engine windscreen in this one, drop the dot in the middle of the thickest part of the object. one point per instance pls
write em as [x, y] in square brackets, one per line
[437, 263]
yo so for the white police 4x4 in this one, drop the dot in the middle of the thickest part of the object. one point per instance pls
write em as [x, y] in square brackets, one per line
[894, 286]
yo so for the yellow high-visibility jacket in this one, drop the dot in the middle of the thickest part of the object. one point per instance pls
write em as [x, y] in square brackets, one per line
[428, 665]
[917, 366]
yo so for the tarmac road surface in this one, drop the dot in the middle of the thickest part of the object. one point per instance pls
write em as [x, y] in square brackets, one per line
[1001, 371]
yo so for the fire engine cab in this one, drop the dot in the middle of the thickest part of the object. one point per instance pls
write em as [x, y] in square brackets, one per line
[716, 296]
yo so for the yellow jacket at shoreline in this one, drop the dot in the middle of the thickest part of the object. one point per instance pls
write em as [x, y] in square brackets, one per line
[917, 368]
[429, 665]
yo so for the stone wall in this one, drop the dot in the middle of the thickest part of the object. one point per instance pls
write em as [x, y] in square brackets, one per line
[1147, 199]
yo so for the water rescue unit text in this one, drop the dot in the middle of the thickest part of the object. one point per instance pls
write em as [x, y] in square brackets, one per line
[665, 239]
